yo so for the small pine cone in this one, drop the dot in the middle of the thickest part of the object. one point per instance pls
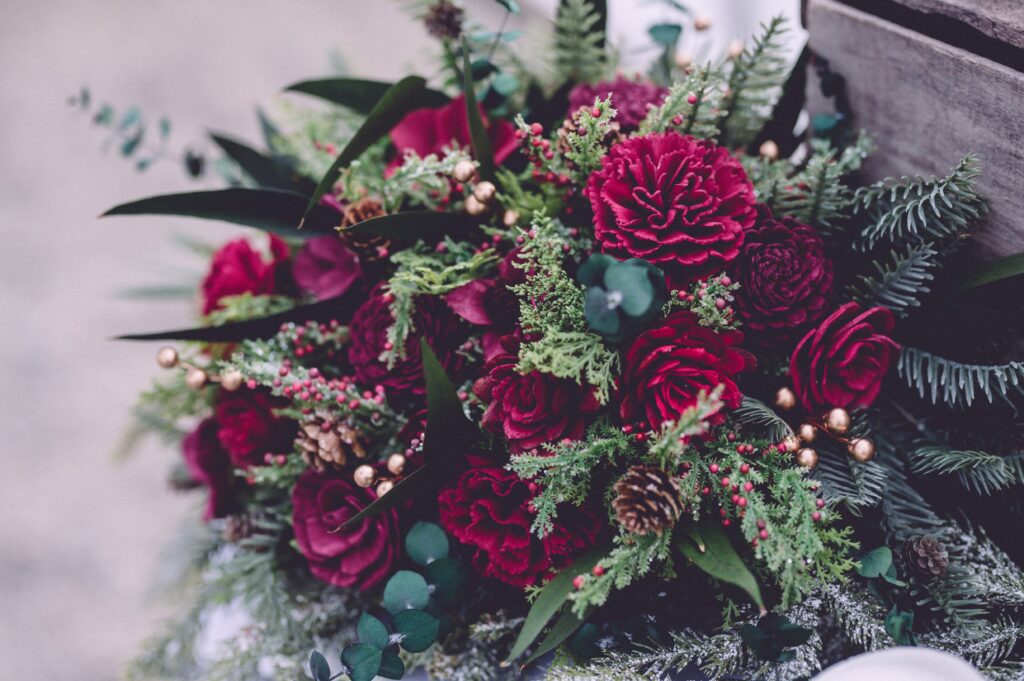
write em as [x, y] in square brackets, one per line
[648, 500]
[368, 247]
[237, 528]
[444, 20]
[927, 556]
[328, 445]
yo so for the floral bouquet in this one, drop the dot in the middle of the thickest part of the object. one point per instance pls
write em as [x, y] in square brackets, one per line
[593, 376]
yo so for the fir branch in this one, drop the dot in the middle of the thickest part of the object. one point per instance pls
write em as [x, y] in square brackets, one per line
[692, 106]
[754, 83]
[858, 614]
[979, 472]
[958, 384]
[915, 209]
[899, 284]
[755, 413]
[578, 48]
[855, 486]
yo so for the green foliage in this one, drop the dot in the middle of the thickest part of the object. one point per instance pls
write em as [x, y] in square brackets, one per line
[418, 181]
[578, 47]
[756, 413]
[622, 297]
[754, 82]
[247, 306]
[917, 209]
[854, 486]
[588, 143]
[707, 547]
[771, 637]
[958, 384]
[160, 411]
[631, 558]
[899, 284]
[979, 472]
[692, 106]
[703, 300]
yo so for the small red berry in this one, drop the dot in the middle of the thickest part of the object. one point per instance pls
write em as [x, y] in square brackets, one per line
[745, 468]
[713, 468]
[578, 581]
[748, 486]
[816, 516]
[761, 524]
[598, 570]
[595, 112]
[741, 502]
[726, 523]
[691, 99]
[820, 503]
[725, 482]
[536, 128]
[763, 534]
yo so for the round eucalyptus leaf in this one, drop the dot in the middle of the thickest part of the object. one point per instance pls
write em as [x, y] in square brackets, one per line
[505, 84]
[601, 313]
[371, 630]
[406, 590]
[318, 667]
[362, 661]
[634, 285]
[591, 273]
[426, 542]
[418, 629]
[391, 666]
[448, 577]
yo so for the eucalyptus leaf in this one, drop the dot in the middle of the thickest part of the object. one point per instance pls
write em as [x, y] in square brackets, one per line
[371, 630]
[318, 667]
[899, 624]
[362, 661]
[666, 35]
[406, 590]
[771, 637]
[417, 628]
[634, 286]
[875, 563]
[591, 273]
[505, 84]
[448, 577]
[601, 314]
[709, 548]
[391, 666]
[426, 543]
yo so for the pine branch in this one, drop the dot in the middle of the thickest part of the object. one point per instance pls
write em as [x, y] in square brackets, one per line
[579, 51]
[756, 413]
[955, 383]
[754, 83]
[899, 284]
[855, 486]
[915, 209]
[979, 472]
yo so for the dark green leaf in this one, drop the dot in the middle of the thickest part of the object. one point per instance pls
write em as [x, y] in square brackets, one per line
[406, 589]
[104, 116]
[890, 576]
[273, 210]
[264, 171]
[875, 563]
[130, 117]
[391, 666]
[505, 84]
[165, 128]
[426, 542]
[772, 635]
[601, 315]
[418, 629]
[359, 95]
[411, 226]
[400, 99]
[481, 68]
[409, 486]
[899, 624]
[666, 35]
[477, 133]
[362, 661]
[989, 272]
[708, 547]
[129, 146]
[510, 5]
[371, 630]
[633, 283]
[551, 598]
[318, 667]
[562, 629]
[448, 577]
[584, 643]
[591, 273]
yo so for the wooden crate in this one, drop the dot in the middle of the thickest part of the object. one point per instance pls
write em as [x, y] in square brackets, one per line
[928, 102]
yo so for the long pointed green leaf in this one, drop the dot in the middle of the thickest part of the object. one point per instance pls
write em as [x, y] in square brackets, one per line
[273, 210]
[708, 547]
[563, 628]
[356, 94]
[989, 272]
[411, 226]
[400, 99]
[482, 151]
[264, 170]
[552, 597]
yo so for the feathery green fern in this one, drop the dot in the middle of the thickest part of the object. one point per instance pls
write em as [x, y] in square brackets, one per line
[754, 83]
[579, 42]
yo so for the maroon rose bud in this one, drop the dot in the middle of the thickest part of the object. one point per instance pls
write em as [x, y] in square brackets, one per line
[842, 362]
[630, 98]
[325, 267]
[248, 429]
[238, 268]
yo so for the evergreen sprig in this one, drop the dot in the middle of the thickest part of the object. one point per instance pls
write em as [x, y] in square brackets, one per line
[900, 283]
[693, 106]
[588, 142]
[958, 384]
[979, 472]
[754, 83]
[578, 48]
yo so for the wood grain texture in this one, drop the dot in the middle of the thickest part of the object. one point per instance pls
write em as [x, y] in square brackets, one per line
[927, 105]
[999, 19]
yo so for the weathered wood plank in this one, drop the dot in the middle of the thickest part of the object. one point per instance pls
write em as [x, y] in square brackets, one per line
[999, 19]
[928, 104]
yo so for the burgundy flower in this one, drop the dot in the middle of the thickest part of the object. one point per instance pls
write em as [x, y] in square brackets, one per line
[490, 303]
[238, 268]
[489, 510]
[531, 409]
[429, 131]
[404, 381]
[785, 280]
[631, 99]
[679, 203]
[360, 556]
[668, 366]
[843, 361]
[209, 464]
[248, 428]
[325, 267]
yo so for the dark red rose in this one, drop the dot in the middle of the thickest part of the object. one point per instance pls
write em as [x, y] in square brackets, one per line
[667, 367]
[238, 268]
[360, 556]
[843, 361]
[490, 303]
[489, 510]
[785, 280]
[248, 428]
[429, 131]
[209, 464]
[677, 202]
[325, 267]
[531, 409]
[631, 99]
[404, 382]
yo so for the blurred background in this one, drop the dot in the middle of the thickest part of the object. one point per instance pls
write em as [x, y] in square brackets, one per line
[82, 533]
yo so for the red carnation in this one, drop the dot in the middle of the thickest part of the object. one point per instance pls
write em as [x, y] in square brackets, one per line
[667, 367]
[489, 509]
[432, 319]
[843, 361]
[677, 202]
[531, 409]
[785, 280]
[248, 428]
[209, 464]
[631, 99]
[238, 268]
[325, 267]
[430, 131]
[360, 556]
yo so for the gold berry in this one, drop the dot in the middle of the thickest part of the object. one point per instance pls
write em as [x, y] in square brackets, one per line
[735, 49]
[231, 380]
[807, 457]
[702, 23]
[474, 207]
[862, 449]
[510, 218]
[785, 399]
[396, 463]
[167, 357]
[792, 443]
[364, 475]
[683, 59]
[808, 431]
[770, 150]
[196, 378]
[384, 487]
[484, 191]
[838, 420]
[464, 171]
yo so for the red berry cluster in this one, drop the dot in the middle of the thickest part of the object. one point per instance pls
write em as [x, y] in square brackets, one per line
[538, 150]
